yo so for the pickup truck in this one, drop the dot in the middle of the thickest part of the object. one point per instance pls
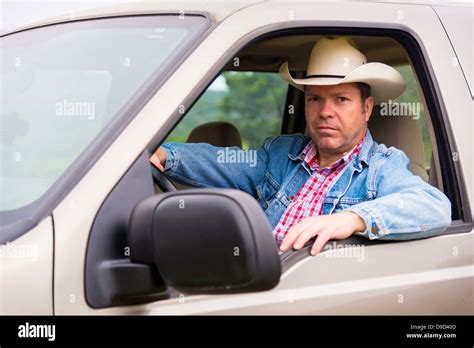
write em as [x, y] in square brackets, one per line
[88, 226]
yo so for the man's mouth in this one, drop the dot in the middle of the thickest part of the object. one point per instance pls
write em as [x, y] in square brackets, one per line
[325, 128]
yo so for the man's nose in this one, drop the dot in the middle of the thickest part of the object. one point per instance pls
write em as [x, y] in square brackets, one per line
[326, 109]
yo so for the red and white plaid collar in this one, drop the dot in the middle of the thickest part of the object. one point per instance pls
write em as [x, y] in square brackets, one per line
[310, 155]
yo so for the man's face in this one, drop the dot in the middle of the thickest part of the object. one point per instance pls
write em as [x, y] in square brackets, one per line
[336, 117]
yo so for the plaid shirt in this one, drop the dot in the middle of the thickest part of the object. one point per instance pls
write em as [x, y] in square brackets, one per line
[309, 199]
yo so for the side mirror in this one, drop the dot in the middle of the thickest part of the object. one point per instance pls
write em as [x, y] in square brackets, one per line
[206, 241]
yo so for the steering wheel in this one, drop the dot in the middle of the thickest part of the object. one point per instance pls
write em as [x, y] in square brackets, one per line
[161, 180]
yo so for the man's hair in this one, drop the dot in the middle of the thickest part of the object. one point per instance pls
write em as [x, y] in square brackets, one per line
[364, 90]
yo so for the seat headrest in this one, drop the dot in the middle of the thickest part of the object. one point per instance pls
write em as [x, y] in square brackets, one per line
[222, 134]
[402, 132]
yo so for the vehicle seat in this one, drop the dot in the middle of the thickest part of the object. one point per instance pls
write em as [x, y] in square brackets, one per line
[222, 134]
[402, 132]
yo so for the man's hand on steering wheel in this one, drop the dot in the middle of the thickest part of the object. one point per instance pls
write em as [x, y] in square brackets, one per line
[159, 159]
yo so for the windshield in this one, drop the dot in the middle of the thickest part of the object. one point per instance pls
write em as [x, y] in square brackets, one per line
[62, 84]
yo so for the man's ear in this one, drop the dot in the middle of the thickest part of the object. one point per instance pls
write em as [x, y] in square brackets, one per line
[369, 105]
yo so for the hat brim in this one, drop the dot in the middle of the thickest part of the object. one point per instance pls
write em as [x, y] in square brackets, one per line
[385, 82]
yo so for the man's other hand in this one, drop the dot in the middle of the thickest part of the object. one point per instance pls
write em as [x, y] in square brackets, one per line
[335, 226]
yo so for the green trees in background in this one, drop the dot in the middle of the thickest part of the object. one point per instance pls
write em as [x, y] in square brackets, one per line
[253, 102]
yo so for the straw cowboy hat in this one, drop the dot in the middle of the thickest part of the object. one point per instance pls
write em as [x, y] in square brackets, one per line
[337, 60]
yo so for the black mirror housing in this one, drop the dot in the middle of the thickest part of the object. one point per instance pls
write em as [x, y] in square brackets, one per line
[206, 241]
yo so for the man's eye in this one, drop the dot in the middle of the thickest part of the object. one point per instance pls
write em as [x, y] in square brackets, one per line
[342, 99]
[313, 99]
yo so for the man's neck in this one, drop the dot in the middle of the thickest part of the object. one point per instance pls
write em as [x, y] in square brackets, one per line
[325, 159]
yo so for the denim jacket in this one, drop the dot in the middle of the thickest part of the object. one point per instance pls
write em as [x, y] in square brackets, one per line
[377, 185]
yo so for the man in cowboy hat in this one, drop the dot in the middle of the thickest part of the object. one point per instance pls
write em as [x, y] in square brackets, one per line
[336, 182]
